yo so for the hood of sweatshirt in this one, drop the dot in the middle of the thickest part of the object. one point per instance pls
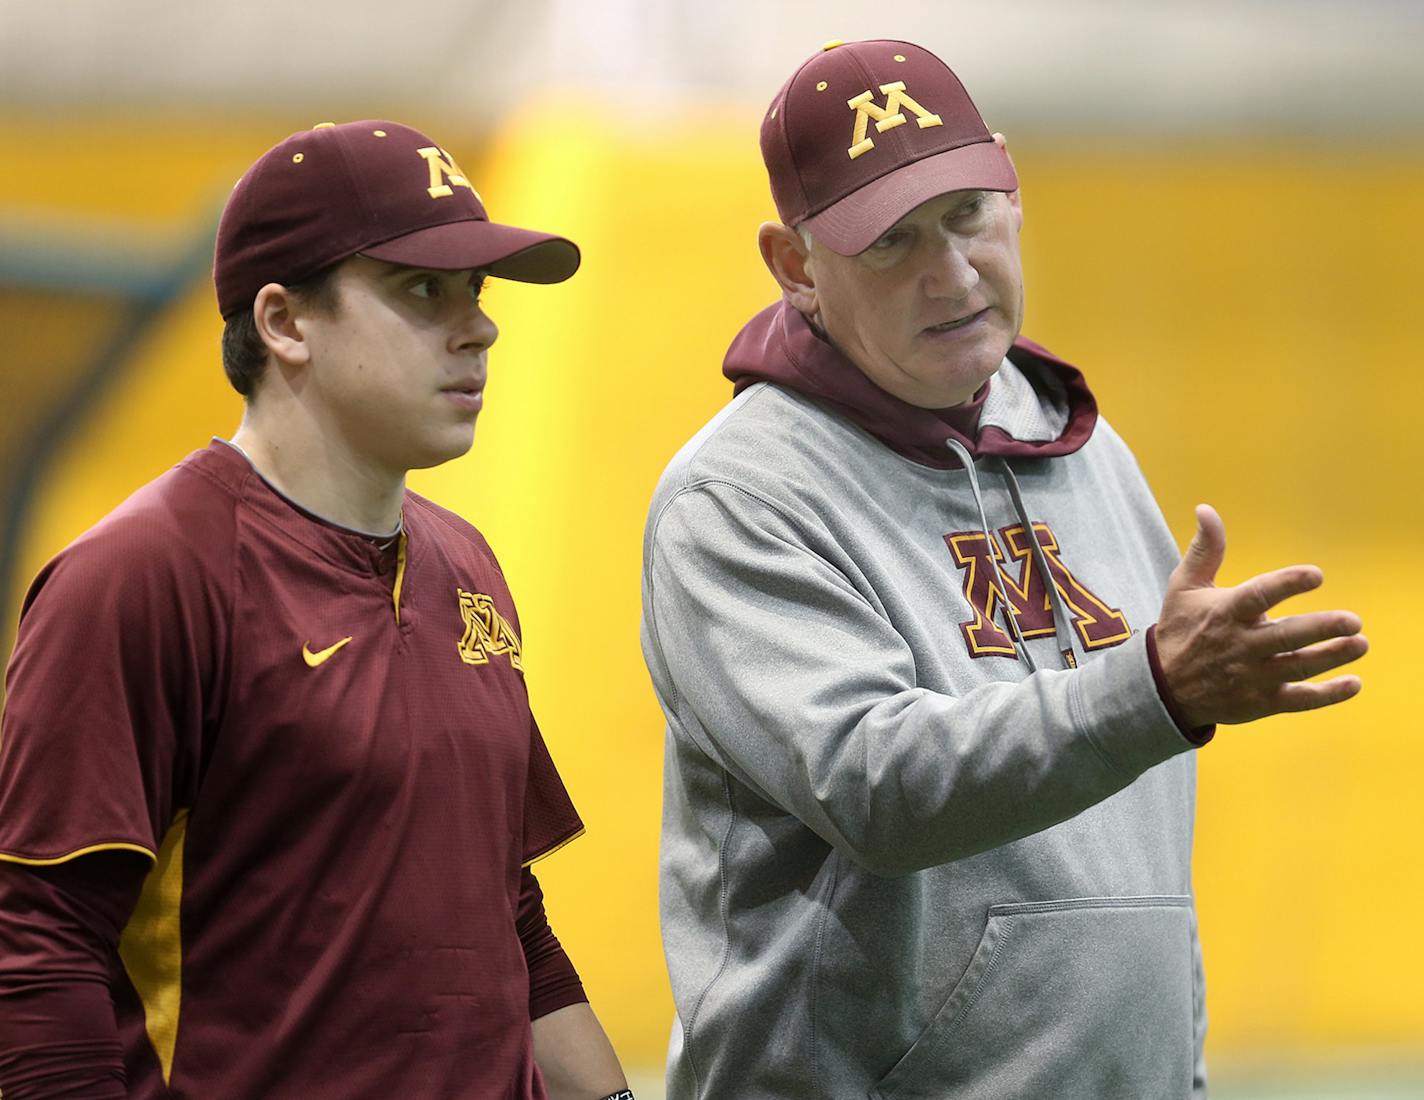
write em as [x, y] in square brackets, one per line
[1053, 414]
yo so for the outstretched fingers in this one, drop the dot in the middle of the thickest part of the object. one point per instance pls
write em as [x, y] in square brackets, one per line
[1267, 636]
[1302, 664]
[1297, 697]
[1227, 660]
[1206, 551]
[1252, 599]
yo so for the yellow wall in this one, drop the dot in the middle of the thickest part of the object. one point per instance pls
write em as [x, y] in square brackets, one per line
[1241, 314]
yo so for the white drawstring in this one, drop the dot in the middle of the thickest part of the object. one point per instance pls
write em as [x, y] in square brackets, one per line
[990, 545]
[1062, 631]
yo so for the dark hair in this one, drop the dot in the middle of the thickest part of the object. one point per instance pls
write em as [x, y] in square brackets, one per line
[244, 355]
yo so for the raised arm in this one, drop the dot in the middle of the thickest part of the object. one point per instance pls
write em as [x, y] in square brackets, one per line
[786, 673]
[784, 670]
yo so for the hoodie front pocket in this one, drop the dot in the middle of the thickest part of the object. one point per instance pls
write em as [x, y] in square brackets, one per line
[1083, 999]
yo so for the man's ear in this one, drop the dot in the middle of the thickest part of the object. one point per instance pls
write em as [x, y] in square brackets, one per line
[789, 261]
[1016, 196]
[275, 314]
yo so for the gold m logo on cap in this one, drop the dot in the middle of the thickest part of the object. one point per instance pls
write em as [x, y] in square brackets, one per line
[887, 117]
[445, 174]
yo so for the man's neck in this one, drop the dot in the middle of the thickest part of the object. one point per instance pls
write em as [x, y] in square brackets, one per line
[324, 477]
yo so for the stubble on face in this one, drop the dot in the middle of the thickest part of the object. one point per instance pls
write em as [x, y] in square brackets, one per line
[401, 369]
[930, 309]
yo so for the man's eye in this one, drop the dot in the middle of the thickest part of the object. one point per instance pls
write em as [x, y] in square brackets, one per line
[890, 239]
[477, 288]
[426, 288]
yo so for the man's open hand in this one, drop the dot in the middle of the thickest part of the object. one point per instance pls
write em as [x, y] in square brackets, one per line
[1226, 660]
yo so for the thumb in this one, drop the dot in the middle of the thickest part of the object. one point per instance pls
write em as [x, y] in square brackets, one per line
[1204, 553]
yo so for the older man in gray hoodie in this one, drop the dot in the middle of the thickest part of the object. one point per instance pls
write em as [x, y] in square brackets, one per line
[932, 669]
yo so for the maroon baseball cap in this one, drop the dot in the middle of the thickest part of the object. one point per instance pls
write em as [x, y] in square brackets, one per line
[377, 188]
[864, 132]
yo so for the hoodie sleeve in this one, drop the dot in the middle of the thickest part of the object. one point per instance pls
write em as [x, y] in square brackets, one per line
[785, 674]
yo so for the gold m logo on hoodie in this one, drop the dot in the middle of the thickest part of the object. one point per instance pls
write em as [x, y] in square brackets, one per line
[989, 584]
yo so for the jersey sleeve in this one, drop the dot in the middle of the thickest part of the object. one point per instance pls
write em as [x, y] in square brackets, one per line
[553, 981]
[104, 696]
[550, 820]
[59, 930]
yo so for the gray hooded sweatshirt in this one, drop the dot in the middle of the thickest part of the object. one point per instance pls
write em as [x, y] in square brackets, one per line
[927, 819]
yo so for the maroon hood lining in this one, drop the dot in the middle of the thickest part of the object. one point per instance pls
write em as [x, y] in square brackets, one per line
[779, 345]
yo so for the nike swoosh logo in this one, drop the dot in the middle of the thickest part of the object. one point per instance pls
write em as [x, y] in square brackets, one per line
[314, 659]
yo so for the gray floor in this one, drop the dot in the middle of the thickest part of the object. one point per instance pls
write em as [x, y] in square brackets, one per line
[1367, 1085]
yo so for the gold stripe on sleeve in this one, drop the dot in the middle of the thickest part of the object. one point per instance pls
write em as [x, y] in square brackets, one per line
[151, 945]
[117, 846]
[550, 851]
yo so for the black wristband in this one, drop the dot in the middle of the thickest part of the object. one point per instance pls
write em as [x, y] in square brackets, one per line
[626, 1094]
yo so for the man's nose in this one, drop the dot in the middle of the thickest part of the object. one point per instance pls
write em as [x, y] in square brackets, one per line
[474, 331]
[950, 273]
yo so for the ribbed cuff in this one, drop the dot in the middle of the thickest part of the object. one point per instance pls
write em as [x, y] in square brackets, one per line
[1197, 735]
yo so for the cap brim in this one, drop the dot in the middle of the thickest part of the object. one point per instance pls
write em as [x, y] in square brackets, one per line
[852, 225]
[506, 251]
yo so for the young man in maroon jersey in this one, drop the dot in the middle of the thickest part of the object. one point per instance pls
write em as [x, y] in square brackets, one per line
[269, 782]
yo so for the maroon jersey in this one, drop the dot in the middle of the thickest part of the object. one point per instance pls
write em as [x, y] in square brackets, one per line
[327, 749]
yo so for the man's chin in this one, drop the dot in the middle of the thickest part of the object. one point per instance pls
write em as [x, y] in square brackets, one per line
[444, 451]
[963, 378]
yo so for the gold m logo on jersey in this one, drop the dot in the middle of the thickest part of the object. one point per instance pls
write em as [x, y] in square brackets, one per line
[445, 174]
[887, 117]
[989, 588]
[487, 632]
